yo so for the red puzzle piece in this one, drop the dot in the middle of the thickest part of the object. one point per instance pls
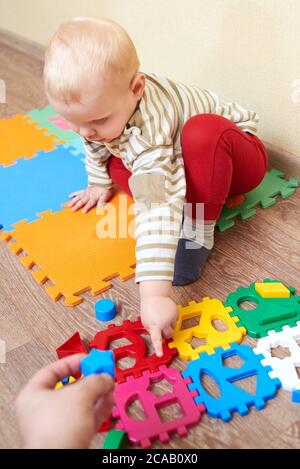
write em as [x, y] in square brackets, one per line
[106, 425]
[137, 349]
[72, 346]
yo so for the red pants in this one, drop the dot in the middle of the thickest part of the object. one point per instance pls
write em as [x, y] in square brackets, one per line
[220, 160]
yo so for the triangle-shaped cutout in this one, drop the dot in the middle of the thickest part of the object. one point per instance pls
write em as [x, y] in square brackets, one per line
[248, 384]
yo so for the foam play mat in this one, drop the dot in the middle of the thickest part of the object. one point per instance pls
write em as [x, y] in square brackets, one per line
[41, 163]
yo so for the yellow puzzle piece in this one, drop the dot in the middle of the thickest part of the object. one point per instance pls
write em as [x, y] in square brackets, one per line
[66, 248]
[272, 290]
[208, 310]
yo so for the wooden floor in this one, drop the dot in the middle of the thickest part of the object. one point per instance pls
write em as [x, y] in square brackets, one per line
[267, 245]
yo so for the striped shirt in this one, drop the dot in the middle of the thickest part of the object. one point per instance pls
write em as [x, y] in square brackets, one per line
[150, 148]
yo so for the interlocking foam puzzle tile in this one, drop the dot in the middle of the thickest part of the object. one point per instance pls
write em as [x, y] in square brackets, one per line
[137, 349]
[66, 248]
[264, 195]
[47, 118]
[19, 138]
[141, 432]
[76, 148]
[209, 310]
[39, 184]
[269, 314]
[232, 398]
[282, 368]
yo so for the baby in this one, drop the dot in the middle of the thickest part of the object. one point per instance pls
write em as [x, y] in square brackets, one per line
[178, 150]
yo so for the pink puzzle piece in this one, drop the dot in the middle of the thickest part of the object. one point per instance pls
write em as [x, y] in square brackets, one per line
[60, 122]
[141, 432]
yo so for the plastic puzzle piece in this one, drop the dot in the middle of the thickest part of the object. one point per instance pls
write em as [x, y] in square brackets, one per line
[137, 349]
[269, 314]
[47, 118]
[296, 396]
[141, 432]
[98, 362]
[59, 385]
[209, 310]
[264, 195]
[106, 426]
[71, 346]
[105, 309]
[52, 175]
[235, 201]
[20, 139]
[116, 439]
[272, 290]
[68, 251]
[284, 369]
[232, 398]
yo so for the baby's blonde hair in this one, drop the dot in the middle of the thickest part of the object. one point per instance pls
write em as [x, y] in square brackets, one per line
[83, 48]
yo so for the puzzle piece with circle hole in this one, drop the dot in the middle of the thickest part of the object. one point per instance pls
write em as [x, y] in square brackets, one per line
[70, 252]
[284, 369]
[269, 314]
[47, 118]
[142, 432]
[264, 195]
[21, 139]
[232, 398]
[137, 349]
[208, 310]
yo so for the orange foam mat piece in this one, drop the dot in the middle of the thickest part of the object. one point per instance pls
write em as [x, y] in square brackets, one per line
[21, 139]
[66, 248]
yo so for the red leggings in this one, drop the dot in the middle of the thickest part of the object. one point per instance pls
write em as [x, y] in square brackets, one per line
[220, 161]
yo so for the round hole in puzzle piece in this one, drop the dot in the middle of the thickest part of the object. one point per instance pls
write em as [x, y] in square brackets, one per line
[219, 324]
[248, 303]
[105, 310]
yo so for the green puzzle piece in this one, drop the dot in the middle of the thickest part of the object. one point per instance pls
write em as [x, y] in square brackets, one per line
[264, 195]
[42, 116]
[270, 313]
[116, 439]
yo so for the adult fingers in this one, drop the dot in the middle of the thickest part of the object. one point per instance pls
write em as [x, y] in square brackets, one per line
[95, 386]
[168, 332]
[155, 334]
[50, 375]
[103, 408]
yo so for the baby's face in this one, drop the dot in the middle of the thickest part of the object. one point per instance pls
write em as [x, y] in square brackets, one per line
[102, 114]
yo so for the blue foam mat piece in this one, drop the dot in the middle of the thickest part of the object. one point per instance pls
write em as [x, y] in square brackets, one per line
[38, 184]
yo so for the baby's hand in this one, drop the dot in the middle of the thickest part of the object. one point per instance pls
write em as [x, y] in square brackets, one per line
[88, 198]
[159, 315]
[65, 418]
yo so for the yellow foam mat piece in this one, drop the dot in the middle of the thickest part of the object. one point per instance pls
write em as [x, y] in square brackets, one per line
[208, 310]
[21, 139]
[66, 248]
[272, 290]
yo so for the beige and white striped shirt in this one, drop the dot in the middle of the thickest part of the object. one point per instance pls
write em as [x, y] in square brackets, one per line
[150, 148]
